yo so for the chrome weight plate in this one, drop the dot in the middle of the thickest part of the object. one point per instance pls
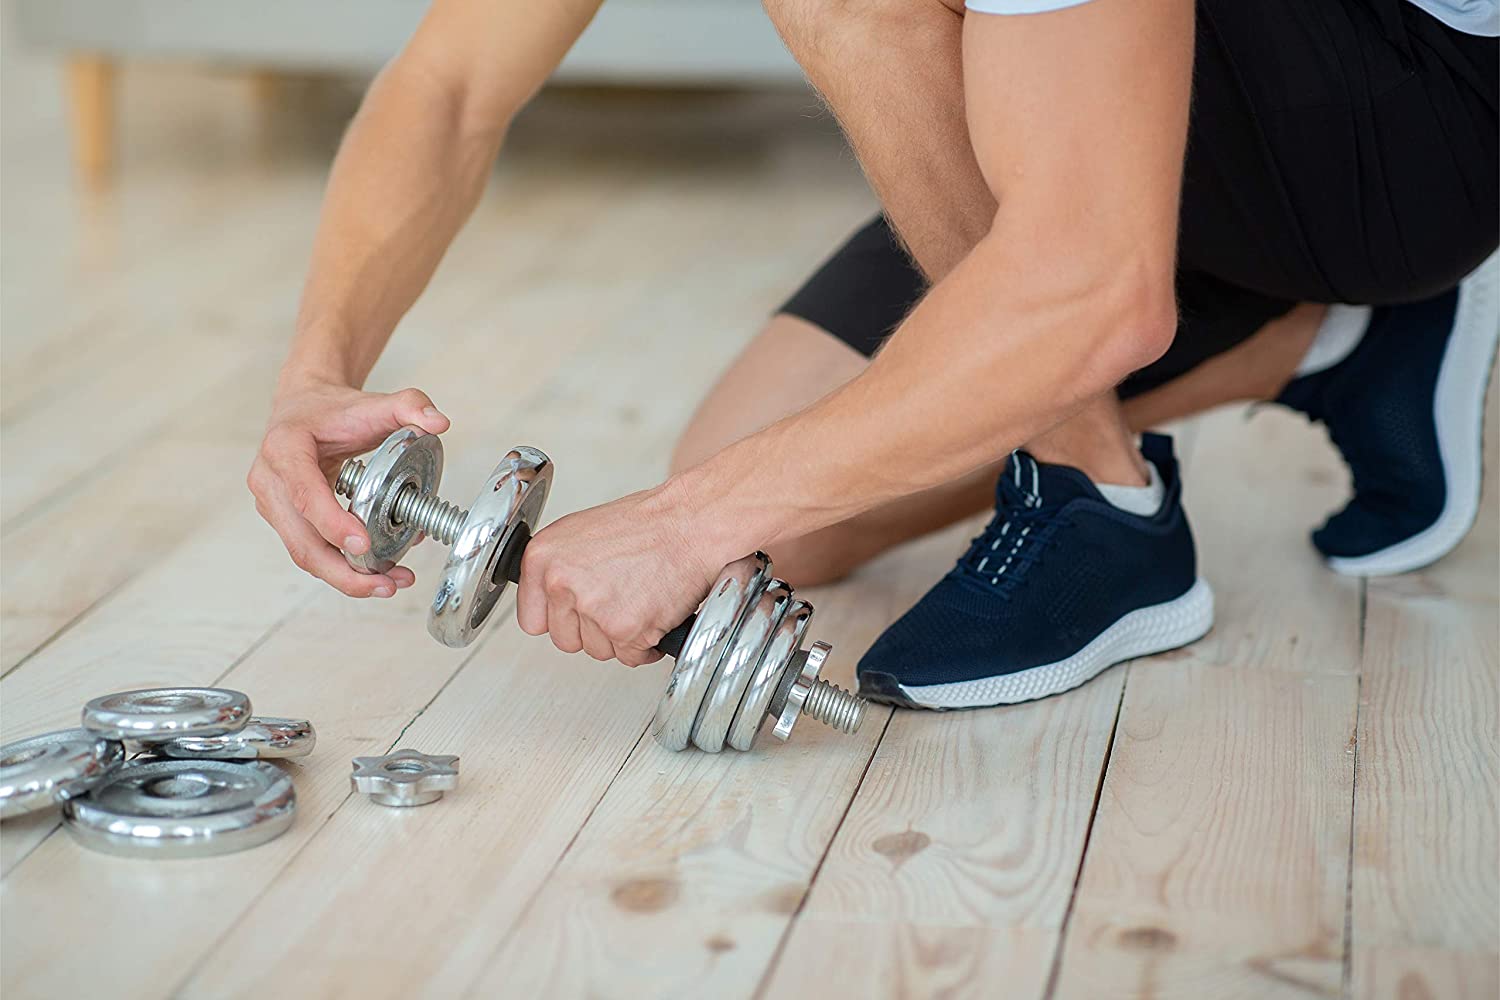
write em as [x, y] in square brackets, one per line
[733, 594]
[409, 457]
[767, 674]
[183, 808]
[46, 770]
[261, 739]
[514, 494]
[154, 715]
[737, 667]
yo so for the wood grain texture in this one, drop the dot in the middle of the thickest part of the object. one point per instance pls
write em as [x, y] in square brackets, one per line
[1218, 860]
[1255, 483]
[687, 873]
[1217, 865]
[1394, 973]
[966, 834]
[891, 959]
[1425, 906]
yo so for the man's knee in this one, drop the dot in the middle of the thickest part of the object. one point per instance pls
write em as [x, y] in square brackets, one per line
[826, 556]
[805, 25]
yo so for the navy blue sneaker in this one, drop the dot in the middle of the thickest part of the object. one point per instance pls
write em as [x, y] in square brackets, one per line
[1406, 409]
[1060, 586]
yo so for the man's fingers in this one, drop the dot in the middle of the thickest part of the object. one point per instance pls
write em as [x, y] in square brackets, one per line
[531, 605]
[594, 641]
[315, 556]
[413, 406]
[638, 657]
[309, 492]
[402, 577]
[563, 626]
[378, 415]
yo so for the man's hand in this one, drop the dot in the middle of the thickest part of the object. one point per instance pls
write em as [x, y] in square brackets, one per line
[612, 580]
[314, 426]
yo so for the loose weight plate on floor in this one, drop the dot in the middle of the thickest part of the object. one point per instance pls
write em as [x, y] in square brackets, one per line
[261, 739]
[44, 771]
[155, 715]
[183, 808]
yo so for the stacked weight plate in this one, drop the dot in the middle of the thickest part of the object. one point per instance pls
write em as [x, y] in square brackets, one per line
[163, 772]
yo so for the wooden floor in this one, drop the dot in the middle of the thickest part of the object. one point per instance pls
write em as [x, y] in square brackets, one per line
[1302, 804]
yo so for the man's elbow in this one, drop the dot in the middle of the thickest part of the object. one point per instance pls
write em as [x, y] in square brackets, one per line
[478, 103]
[1135, 328]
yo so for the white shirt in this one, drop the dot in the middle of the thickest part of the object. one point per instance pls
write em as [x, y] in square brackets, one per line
[1472, 17]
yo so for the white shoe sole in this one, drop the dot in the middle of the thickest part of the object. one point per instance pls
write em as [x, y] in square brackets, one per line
[1458, 412]
[1140, 633]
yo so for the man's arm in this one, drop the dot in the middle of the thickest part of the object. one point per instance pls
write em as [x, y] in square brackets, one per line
[1077, 120]
[408, 174]
[414, 164]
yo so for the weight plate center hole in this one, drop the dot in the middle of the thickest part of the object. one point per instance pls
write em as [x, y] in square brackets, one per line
[168, 702]
[405, 766]
[179, 786]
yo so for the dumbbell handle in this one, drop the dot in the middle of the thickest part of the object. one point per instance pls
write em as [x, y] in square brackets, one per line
[508, 568]
[434, 516]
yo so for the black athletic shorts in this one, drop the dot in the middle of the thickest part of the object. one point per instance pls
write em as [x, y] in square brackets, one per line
[1338, 151]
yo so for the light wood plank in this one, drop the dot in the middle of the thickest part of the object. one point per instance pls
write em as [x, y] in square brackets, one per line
[1217, 865]
[1218, 861]
[688, 873]
[1424, 916]
[886, 958]
[1424, 974]
[966, 837]
[58, 567]
[1254, 486]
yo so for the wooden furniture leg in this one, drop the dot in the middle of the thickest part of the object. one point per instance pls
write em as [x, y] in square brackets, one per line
[91, 87]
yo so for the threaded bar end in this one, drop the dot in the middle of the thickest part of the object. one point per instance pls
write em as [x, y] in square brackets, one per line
[833, 706]
[349, 476]
[429, 513]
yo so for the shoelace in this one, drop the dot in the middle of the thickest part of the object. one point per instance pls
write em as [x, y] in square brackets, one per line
[1012, 542]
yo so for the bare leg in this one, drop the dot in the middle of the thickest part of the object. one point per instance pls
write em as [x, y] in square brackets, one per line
[761, 386]
[1098, 441]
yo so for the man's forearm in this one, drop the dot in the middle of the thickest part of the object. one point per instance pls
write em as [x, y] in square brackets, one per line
[412, 167]
[1000, 351]
[405, 179]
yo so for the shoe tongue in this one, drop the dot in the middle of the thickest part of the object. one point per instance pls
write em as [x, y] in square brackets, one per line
[1038, 484]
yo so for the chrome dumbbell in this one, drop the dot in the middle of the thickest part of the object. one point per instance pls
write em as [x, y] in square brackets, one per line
[739, 659]
[395, 495]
